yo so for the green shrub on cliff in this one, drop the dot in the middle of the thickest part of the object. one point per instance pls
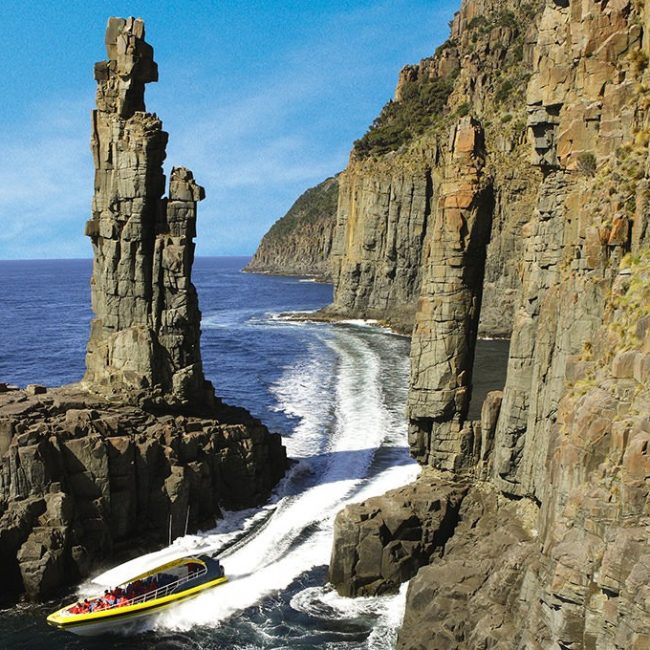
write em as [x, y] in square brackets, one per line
[504, 90]
[587, 163]
[449, 43]
[423, 101]
[421, 105]
[507, 19]
[479, 23]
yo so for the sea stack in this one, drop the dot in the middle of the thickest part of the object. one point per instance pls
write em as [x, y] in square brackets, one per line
[145, 336]
[106, 469]
[447, 316]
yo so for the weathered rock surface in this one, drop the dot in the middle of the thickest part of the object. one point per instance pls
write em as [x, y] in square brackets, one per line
[390, 192]
[468, 598]
[551, 545]
[382, 542]
[446, 322]
[378, 242]
[103, 467]
[145, 335]
[300, 243]
[573, 570]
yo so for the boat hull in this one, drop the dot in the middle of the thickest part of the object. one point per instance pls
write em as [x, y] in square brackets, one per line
[132, 625]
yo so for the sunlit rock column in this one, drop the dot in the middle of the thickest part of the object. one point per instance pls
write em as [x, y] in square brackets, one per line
[581, 112]
[447, 316]
[145, 336]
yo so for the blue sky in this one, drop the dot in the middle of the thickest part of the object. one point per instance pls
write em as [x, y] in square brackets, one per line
[262, 99]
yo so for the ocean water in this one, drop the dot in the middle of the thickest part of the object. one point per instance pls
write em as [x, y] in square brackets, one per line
[337, 393]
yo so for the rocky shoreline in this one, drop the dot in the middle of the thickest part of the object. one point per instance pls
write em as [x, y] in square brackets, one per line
[82, 476]
[326, 315]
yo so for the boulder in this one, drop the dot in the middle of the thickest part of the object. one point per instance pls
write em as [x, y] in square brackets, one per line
[382, 542]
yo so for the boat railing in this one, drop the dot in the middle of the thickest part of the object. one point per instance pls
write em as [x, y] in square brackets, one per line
[160, 592]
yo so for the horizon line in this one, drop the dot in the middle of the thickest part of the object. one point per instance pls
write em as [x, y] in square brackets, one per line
[83, 259]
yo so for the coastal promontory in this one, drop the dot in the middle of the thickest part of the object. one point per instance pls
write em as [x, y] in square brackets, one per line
[300, 243]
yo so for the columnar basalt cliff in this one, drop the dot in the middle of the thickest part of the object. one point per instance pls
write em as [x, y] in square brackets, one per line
[547, 543]
[105, 467]
[389, 192]
[378, 242]
[300, 243]
[446, 321]
[146, 329]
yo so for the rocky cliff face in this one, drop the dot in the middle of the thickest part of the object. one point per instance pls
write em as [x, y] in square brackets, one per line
[549, 547]
[378, 242]
[391, 188]
[446, 321]
[142, 443]
[301, 242]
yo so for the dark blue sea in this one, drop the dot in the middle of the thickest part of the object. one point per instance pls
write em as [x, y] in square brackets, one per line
[337, 394]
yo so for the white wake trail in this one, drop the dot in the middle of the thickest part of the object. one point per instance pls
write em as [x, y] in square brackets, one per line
[343, 419]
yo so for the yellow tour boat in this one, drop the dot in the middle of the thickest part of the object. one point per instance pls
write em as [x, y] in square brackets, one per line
[125, 606]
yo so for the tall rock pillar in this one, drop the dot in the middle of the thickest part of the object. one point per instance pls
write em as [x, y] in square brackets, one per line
[144, 339]
[446, 321]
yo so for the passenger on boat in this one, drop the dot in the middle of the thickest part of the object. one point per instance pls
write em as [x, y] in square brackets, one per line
[120, 597]
[109, 597]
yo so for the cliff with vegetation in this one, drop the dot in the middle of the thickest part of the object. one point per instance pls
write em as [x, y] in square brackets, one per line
[300, 243]
[142, 445]
[528, 189]
[388, 192]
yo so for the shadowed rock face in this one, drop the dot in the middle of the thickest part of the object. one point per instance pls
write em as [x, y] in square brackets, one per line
[145, 335]
[377, 246]
[104, 468]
